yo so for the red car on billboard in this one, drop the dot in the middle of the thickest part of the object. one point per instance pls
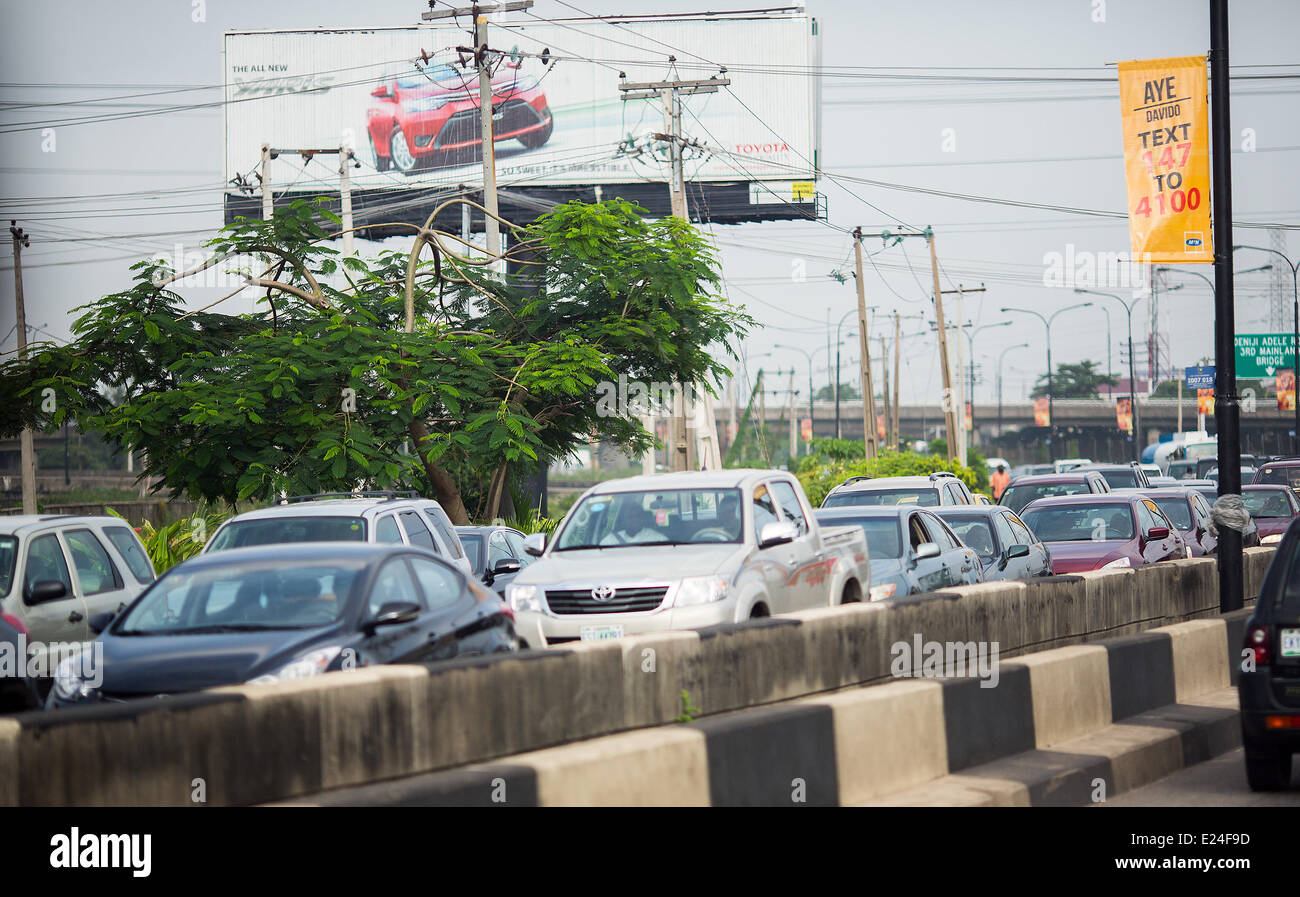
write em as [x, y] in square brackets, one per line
[429, 114]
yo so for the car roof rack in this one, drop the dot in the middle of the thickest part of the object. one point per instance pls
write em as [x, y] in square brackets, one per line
[387, 494]
[855, 479]
[943, 473]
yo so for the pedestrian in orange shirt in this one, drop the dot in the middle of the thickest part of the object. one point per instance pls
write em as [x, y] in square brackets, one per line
[999, 482]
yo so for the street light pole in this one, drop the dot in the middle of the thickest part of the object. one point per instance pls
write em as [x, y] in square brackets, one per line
[808, 355]
[1295, 311]
[1047, 324]
[839, 342]
[1132, 399]
[1000, 359]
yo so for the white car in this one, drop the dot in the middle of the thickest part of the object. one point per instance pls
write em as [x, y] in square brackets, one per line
[684, 550]
[58, 570]
[398, 518]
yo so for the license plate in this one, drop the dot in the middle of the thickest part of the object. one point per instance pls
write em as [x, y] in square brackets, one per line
[1291, 642]
[600, 633]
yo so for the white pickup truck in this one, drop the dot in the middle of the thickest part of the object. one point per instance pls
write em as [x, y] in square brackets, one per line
[684, 550]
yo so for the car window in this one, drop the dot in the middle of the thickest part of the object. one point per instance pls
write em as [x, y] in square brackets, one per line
[8, 561]
[517, 548]
[498, 549]
[416, 531]
[386, 531]
[1006, 535]
[474, 550]
[1266, 503]
[1176, 508]
[764, 509]
[869, 497]
[1016, 497]
[1148, 517]
[939, 531]
[916, 531]
[128, 546]
[975, 533]
[1024, 535]
[278, 530]
[95, 570]
[441, 587]
[1088, 523]
[394, 583]
[883, 537]
[791, 509]
[45, 563]
[442, 523]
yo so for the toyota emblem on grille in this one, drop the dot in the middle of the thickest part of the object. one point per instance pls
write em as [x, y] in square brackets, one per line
[602, 593]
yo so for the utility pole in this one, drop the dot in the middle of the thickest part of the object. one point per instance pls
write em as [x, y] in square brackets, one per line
[27, 445]
[963, 386]
[482, 64]
[668, 93]
[949, 413]
[345, 197]
[864, 341]
[897, 436]
[267, 205]
[884, 392]
[794, 424]
[1226, 410]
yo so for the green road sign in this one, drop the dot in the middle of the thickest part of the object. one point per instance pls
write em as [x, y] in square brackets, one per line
[1259, 355]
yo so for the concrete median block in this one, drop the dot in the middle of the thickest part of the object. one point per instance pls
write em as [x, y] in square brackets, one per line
[958, 791]
[660, 767]
[1070, 688]
[1110, 603]
[10, 771]
[844, 645]
[1137, 755]
[983, 723]
[1254, 562]
[1055, 612]
[657, 668]
[991, 612]
[1141, 673]
[1200, 652]
[888, 738]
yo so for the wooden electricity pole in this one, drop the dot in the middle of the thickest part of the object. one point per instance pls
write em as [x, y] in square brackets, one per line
[864, 345]
[27, 446]
[949, 411]
[894, 427]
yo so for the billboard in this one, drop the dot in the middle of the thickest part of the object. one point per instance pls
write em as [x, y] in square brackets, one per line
[405, 101]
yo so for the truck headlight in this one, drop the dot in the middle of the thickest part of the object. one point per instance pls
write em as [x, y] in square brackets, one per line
[881, 592]
[1271, 540]
[700, 590]
[524, 599]
[313, 663]
[1116, 564]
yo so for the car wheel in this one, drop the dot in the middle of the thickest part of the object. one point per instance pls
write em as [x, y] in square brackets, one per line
[400, 151]
[1268, 771]
[534, 139]
[758, 611]
[381, 164]
[852, 593]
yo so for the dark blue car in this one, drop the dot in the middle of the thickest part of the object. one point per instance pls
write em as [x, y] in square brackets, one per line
[279, 612]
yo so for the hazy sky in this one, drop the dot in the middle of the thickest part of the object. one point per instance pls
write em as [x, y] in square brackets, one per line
[1054, 142]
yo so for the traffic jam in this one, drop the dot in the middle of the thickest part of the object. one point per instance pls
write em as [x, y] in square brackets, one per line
[325, 583]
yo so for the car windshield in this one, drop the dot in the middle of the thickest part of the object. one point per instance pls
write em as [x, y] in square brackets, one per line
[1280, 476]
[872, 497]
[653, 517]
[1121, 479]
[975, 531]
[1088, 523]
[278, 530]
[473, 545]
[1016, 497]
[8, 556]
[1176, 509]
[884, 539]
[242, 597]
[1266, 503]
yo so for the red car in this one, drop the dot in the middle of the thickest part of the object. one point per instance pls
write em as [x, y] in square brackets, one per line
[430, 113]
[1272, 508]
[1099, 532]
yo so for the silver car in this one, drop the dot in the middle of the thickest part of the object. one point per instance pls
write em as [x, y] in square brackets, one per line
[941, 488]
[1007, 548]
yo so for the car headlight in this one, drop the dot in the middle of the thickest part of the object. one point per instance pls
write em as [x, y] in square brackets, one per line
[880, 593]
[313, 663]
[1116, 564]
[700, 590]
[1271, 540]
[427, 104]
[70, 683]
[524, 599]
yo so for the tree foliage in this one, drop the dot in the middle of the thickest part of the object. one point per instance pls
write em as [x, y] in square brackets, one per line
[322, 389]
[1075, 381]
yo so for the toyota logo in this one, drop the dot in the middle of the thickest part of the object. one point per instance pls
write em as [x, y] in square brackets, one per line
[602, 593]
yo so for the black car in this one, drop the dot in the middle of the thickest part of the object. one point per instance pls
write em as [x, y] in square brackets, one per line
[496, 553]
[1122, 476]
[1007, 548]
[1269, 685]
[280, 612]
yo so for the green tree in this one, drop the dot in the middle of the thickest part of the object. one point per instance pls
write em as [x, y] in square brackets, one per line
[1075, 381]
[848, 393]
[396, 371]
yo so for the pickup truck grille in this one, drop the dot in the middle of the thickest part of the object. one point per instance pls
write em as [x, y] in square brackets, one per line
[626, 599]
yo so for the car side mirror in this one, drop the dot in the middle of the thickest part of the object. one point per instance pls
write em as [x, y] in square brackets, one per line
[925, 551]
[535, 544]
[47, 590]
[778, 533]
[392, 613]
[1158, 532]
[380, 91]
[506, 566]
[1017, 551]
[99, 622]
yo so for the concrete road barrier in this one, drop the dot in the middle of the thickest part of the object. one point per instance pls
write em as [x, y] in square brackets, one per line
[256, 744]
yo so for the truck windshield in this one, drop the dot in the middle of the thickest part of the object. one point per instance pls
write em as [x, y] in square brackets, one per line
[658, 517]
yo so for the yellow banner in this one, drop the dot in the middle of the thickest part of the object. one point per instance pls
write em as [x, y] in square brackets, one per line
[1167, 159]
[1124, 414]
